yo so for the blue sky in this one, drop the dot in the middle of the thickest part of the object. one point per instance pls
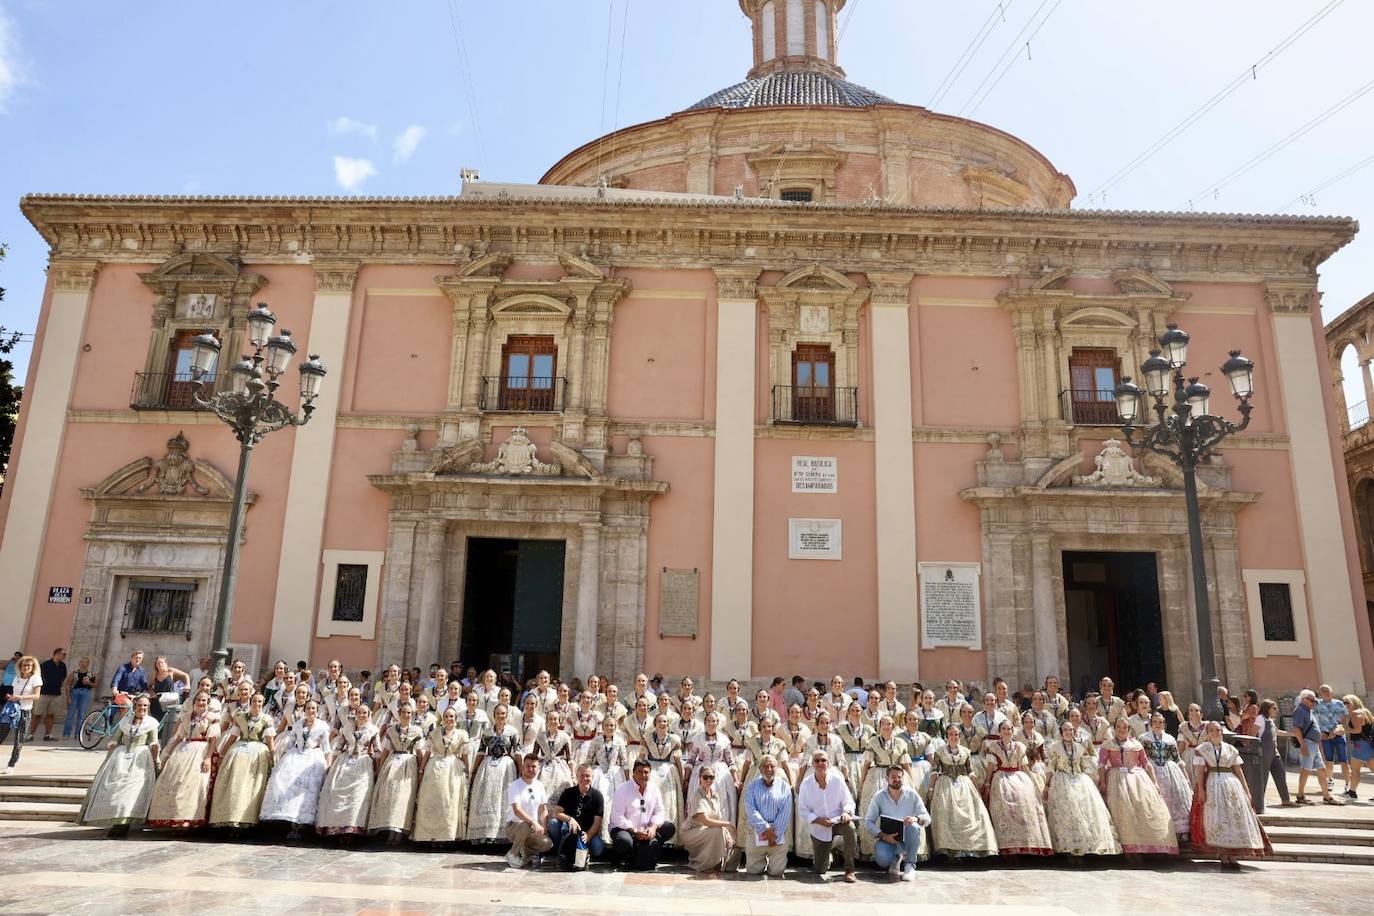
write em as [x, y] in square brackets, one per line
[341, 96]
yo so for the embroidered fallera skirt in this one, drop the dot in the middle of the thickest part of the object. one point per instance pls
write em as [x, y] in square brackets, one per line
[1078, 818]
[441, 806]
[182, 792]
[122, 788]
[345, 797]
[240, 785]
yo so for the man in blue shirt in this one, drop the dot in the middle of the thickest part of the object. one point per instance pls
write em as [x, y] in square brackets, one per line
[1309, 738]
[131, 678]
[768, 811]
[897, 852]
[1331, 714]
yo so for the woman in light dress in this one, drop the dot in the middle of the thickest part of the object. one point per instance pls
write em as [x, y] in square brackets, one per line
[712, 750]
[488, 694]
[1191, 734]
[1078, 818]
[553, 747]
[1142, 819]
[1028, 735]
[1162, 749]
[385, 695]
[692, 723]
[1224, 824]
[493, 772]
[635, 727]
[240, 703]
[971, 737]
[854, 735]
[708, 833]
[663, 750]
[292, 711]
[931, 721]
[837, 701]
[1045, 721]
[123, 786]
[392, 814]
[795, 734]
[425, 718]
[585, 725]
[1013, 798]
[441, 806]
[182, 793]
[346, 794]
[663, 706]
[960, 826]
[825, 740]
[336, 702]
[918, 748]
[1140, 714]
[739, 727]
[884, 750]
[293, 790]
[244, 768]
[610, 763]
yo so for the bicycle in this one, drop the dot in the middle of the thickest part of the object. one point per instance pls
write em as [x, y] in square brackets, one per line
[100, 724]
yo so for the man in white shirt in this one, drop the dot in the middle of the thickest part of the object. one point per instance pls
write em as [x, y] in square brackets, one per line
[527, 812]
[858, 692]
[201, 670]
[826, 808]
[638, 828]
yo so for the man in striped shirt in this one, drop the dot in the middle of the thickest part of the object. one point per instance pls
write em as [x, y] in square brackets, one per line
[768, 810]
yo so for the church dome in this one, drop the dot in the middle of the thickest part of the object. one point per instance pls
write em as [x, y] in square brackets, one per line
[794, 87]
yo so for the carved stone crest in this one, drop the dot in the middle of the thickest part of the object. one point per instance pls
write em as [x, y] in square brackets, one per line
[171, 474]
[1114, 469]
[517, 456]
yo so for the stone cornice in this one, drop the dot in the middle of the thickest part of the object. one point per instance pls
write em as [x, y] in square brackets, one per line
[70, 275]
[1290, 298]
[738, 284]
[335, 276]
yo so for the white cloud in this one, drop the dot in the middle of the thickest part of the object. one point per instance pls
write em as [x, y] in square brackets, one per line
[11, 68]
[346, 125]
[351, 173]
[407, 141]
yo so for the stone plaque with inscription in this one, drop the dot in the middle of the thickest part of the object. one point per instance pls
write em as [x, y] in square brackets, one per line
[677, 602]
[815, 474]
[951, 613]
[814, 539]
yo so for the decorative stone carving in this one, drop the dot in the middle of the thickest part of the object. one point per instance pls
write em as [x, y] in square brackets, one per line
[572, 461]
[173, 472]
[73, 276]
[335, 276]
[1114, 469]
[1290, 298]
[893, 289]
[457, 459]
[169, 476]
[737, 285]
[411, 442]
[516, 457]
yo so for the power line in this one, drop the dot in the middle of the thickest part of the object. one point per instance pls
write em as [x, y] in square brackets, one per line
[1249, 74]
[455, 22]
[1014, 59]
[605, 83]
[999, 13]
[620, 77]
[1285, 142]
[1311, 196]
[1011, 48]
[849, 17]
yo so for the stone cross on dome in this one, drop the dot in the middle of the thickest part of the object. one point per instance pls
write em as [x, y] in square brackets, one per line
[794, 35]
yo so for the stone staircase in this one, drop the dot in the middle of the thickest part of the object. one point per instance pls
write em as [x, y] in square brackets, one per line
[42, 798]
[1346, 839]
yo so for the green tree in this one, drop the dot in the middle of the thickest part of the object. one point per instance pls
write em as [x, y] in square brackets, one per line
[10, 393]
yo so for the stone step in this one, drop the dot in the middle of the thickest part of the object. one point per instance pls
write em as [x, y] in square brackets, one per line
[50, 782]
[1324, 836]
[1336, 822]
[31, 793]
[1331, 855]
[37, 811]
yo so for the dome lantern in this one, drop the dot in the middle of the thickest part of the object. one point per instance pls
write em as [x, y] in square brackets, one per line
[794, 35]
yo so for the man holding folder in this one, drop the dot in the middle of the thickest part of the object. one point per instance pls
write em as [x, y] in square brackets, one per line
[898, 818]
[826, 809]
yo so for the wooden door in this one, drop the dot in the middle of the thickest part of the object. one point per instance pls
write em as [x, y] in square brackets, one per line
[529, 368]
[1093, 377]
[813, 383]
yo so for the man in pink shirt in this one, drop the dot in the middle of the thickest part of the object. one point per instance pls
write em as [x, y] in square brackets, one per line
[775, 698]
[638, 828]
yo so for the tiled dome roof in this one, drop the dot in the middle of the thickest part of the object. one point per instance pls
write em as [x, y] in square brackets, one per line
[794, 87]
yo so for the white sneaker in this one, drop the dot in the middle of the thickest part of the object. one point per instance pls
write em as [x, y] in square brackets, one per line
[9, 771]
[909, 874]
[895, 868]
[515, 860]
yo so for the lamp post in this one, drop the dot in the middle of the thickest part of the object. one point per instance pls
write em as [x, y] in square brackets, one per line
[250, 408]
[1186, 432]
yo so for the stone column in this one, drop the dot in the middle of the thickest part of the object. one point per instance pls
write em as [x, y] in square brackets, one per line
[298, 569]
[898, 619]
[432, 592]
[400, 559]
[1368, 385]
[1045, 612]
[732, 527]
[588, 601]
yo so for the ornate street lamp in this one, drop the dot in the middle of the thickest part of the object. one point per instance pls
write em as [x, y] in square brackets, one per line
[249, 406]
[1186, 432]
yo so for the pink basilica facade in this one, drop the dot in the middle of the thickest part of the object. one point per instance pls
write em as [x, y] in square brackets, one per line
[799, 379]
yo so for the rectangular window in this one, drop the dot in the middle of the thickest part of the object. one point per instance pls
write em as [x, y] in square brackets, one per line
[813, 394]
[158, 607]
[1093, 377]
[797, 196]
[1276, 610]
[529, 376]
[350, 590]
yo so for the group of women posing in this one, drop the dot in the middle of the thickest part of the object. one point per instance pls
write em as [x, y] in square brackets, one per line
[434, 766]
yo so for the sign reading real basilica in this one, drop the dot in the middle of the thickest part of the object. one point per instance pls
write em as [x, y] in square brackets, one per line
[797, 379]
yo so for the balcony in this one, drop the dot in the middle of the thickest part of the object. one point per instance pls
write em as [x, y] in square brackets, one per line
[815, 406]
[1090, 407]
[523, 395]
[1357, 415]
[163, 391]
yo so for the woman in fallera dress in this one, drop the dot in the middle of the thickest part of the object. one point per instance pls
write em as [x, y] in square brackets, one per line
[1140, 714]
[1018, 820]
[883, 750]
[918, 748]
[1030, 737]
[293, 790]
[292, 711]
[739, 727]
[1078, 818]
[971, 736]
[1224, 824]
[123, 786]
[932, 721]
[1162, 749]
[1192, 732]
[554, 749]
[585, 725]
[244, 768]
[636, 726]
[691, 724]
[493, 772]
[1142, 819]
[392, 814]
[712, 750]
[425, 719]
[960, 826]
[488, 694]
[610, 763]
[836, 701]
[181, 795]
[663, 750]
[346, 795]
[441, 806]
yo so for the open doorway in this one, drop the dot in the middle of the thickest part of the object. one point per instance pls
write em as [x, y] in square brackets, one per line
[1113, 619]
[513, 605]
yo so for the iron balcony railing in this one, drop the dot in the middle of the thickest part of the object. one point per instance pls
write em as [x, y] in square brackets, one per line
[531, 394]
[815, 405]
[1090, 407]
[163, 391]
[1358, 414]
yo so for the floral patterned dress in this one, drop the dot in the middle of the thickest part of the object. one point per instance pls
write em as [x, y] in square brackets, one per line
[493, 776]
[919, 747]
[960, 826]
[585, 727]
[1142, 819]
[1162, 750]
[346, 794]
[610, 761]
[665, 762]
[1014, 802]
[181, 796]
[243, 774]
[554, 750]
[854, 741]
[393, 797]
[716, 752]
[123, 786]
[441, 808]
[1223, 823]
[293, 791]
[1189, 738]
[1078, 818]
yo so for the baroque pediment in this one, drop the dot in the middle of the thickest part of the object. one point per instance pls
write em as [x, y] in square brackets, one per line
[176, 474]
[202, 271]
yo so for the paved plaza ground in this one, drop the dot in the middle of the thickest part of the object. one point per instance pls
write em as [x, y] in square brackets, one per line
[61, 868]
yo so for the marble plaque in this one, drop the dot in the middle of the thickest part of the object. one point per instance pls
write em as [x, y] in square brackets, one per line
[677, 602]
[814, 319]
[814, 539]
[815, 474]
[196, 305]
[951, 613]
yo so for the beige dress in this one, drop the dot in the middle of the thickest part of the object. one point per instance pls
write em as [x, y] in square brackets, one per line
[442, 804]
[1142, 819]
[243, 774]
[1078, 818]
[182, 793]
[707, 847]
[393, 797]
[346, 793]
[960, 826]
[1224, 824]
